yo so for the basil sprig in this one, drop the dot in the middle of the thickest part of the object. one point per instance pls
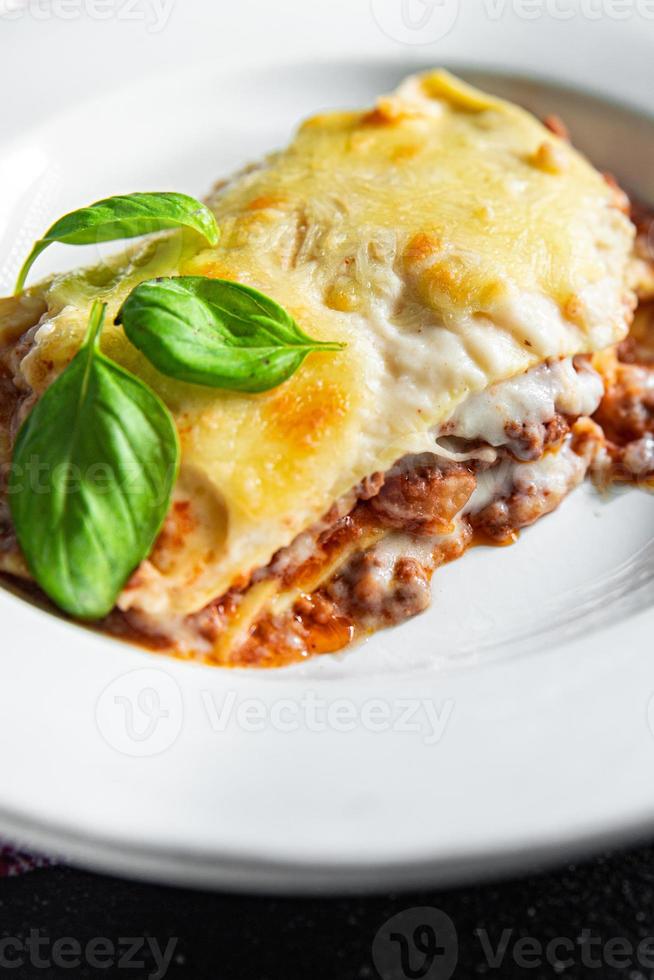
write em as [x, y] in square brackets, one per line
[95, 463]
[92, 475]
[216, 332]
[126, 216]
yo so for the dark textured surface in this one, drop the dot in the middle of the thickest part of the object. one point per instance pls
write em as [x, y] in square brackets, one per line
[228, 937]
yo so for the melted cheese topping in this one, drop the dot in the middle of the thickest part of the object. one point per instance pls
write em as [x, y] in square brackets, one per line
[446, 237]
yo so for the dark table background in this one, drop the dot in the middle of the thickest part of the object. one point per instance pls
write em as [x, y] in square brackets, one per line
[230, 936]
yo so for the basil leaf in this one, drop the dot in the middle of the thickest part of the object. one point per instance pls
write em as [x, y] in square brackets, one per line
[126, 216]
[215, 332]
[91, 479]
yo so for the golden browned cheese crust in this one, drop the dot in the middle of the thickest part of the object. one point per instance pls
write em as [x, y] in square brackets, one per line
[448, 238]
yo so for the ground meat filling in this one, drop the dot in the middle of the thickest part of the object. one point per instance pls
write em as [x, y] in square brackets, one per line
[627, 409]
[532, 494]
[626, 414]
[423, 500]
[529, 440]
[428, 517]
[369, 599]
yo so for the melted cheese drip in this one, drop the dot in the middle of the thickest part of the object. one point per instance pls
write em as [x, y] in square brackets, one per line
[530, 398]
[446, 237]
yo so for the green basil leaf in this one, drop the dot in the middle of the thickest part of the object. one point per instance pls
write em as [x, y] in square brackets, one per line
[91, 479]
[215, 332]
[126, 216]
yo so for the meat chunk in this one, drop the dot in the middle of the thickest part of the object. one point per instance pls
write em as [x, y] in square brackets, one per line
[528, 440]
[425, 499]
[536, 489]
[372, 595]
[626, 412]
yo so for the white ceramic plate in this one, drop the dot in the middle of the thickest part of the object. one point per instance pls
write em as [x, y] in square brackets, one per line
[508, 724]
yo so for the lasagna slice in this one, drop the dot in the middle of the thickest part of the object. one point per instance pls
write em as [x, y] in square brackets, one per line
[480, 273]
